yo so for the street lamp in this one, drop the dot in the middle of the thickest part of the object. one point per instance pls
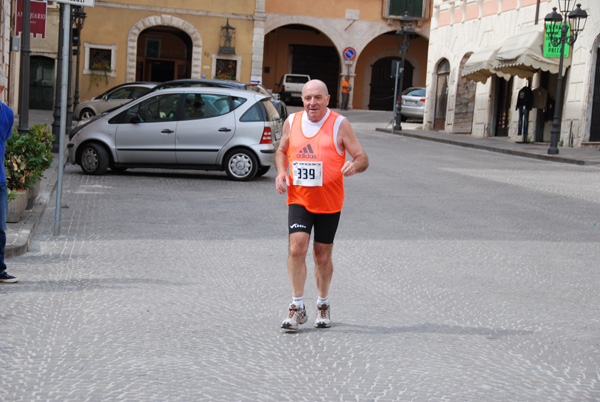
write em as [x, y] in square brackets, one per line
[78, 18]
[408, 33]
[554, 22]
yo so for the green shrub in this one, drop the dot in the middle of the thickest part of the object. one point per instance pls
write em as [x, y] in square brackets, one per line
[27, 157]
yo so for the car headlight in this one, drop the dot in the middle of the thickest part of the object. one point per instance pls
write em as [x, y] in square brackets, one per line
[78, 128]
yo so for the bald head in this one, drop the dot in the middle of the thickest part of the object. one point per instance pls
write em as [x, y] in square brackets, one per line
[317, 85]
[315, 98]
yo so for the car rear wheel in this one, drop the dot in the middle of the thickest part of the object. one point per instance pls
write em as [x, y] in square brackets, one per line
[86, 114]
[241, 165]
[94, 159]
[263, 171]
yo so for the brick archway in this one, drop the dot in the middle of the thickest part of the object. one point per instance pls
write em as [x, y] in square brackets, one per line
[163, 20]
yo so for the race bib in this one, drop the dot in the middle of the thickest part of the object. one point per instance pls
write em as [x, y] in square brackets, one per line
[307, 174]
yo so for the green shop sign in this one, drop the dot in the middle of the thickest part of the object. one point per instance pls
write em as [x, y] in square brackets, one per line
[553, 30]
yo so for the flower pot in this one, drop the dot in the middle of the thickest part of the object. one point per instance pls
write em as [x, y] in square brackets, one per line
[33, 194]
[16, 207]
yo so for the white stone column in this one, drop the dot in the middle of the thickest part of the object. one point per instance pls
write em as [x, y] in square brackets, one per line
[258, 40]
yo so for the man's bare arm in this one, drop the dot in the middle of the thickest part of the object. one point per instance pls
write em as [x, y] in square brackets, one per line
[281, 160]
[347, 141]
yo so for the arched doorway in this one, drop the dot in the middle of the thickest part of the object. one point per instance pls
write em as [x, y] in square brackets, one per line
[465, 102]
[595, 127]
[41, 83]
[163, 53]
[441, 95]
[383, 81]
[301, 49]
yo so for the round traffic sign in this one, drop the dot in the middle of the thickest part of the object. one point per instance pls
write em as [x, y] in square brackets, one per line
[349, 53]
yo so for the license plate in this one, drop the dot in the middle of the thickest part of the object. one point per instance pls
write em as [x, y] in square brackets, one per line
[297, 94]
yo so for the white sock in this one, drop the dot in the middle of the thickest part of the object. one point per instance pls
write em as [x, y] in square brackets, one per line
[322, 300]
[297, 301]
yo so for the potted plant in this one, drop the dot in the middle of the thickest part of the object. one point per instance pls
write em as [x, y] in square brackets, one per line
[26, 158]
[40, 157]
[100, 72]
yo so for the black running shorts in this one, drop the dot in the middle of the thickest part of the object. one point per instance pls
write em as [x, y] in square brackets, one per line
[301, 220]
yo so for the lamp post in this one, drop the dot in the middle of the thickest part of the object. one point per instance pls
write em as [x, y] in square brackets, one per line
[554, 21]
[79, 19]
[57, 100]
[25, 69]
[408, 33]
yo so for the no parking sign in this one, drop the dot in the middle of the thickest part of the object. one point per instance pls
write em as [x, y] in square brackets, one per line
[349, 53]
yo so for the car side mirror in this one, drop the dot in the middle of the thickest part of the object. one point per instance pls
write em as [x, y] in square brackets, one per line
[137, 119]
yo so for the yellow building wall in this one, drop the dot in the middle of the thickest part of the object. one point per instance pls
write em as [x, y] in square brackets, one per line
[212, 6]
[111, 26]
[370, 10]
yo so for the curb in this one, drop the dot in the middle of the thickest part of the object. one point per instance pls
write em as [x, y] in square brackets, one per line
[544, 157]
[20, 233]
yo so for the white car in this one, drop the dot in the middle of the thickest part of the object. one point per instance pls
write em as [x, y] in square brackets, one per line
[413, 103]
[189, 127]
[111, 99]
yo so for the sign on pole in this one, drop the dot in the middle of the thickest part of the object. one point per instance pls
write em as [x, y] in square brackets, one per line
[83, 3]
[549, 49]
[37, 20]
[66, 49]
[349, 53]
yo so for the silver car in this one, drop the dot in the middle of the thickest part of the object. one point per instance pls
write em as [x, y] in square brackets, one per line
[111, 99]
[191, 128]
[413, 103]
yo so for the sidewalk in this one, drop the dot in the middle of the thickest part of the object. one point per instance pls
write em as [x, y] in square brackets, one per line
[576, 156]
[18, 235]
[381, 121]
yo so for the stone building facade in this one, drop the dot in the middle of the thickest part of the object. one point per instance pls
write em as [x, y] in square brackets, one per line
[461, 29]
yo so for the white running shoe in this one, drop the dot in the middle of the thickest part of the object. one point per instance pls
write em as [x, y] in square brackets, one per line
[323, 316]
[296, 317]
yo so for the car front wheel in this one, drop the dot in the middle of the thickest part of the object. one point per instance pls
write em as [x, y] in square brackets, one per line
[94, 159]
[86, 114]
[241, 165]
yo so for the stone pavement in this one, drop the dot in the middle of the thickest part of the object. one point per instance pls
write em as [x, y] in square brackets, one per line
[460, 275]
[19, 234]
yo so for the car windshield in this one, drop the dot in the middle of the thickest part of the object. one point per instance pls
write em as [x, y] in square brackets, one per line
[295, 79]
[257, 88]
[415, 92]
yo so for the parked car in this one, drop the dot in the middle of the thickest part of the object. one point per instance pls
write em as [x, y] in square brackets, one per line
[281, 106]
[413, 103]
[190, 128]
[290, 87]
[112, 98]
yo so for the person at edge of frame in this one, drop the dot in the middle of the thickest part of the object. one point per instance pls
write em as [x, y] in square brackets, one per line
[7, 119]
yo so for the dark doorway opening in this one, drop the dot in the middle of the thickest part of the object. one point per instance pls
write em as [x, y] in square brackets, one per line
[41, 83]
[441, 95]
[164, 54]
[502, 106]
[595, 128]
[382, 83]
[320, 62]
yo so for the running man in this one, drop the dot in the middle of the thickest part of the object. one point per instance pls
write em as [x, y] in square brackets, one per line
[311, 164]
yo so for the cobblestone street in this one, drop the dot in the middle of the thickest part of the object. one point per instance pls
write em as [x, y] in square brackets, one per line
[460, 275]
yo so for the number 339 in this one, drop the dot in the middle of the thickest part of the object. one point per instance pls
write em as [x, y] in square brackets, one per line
[306, 174]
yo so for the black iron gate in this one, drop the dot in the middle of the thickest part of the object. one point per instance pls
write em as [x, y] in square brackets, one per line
[595, 128]
[382, 83]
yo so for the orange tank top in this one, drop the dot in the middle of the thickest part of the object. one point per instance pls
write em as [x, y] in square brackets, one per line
[315, 168]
